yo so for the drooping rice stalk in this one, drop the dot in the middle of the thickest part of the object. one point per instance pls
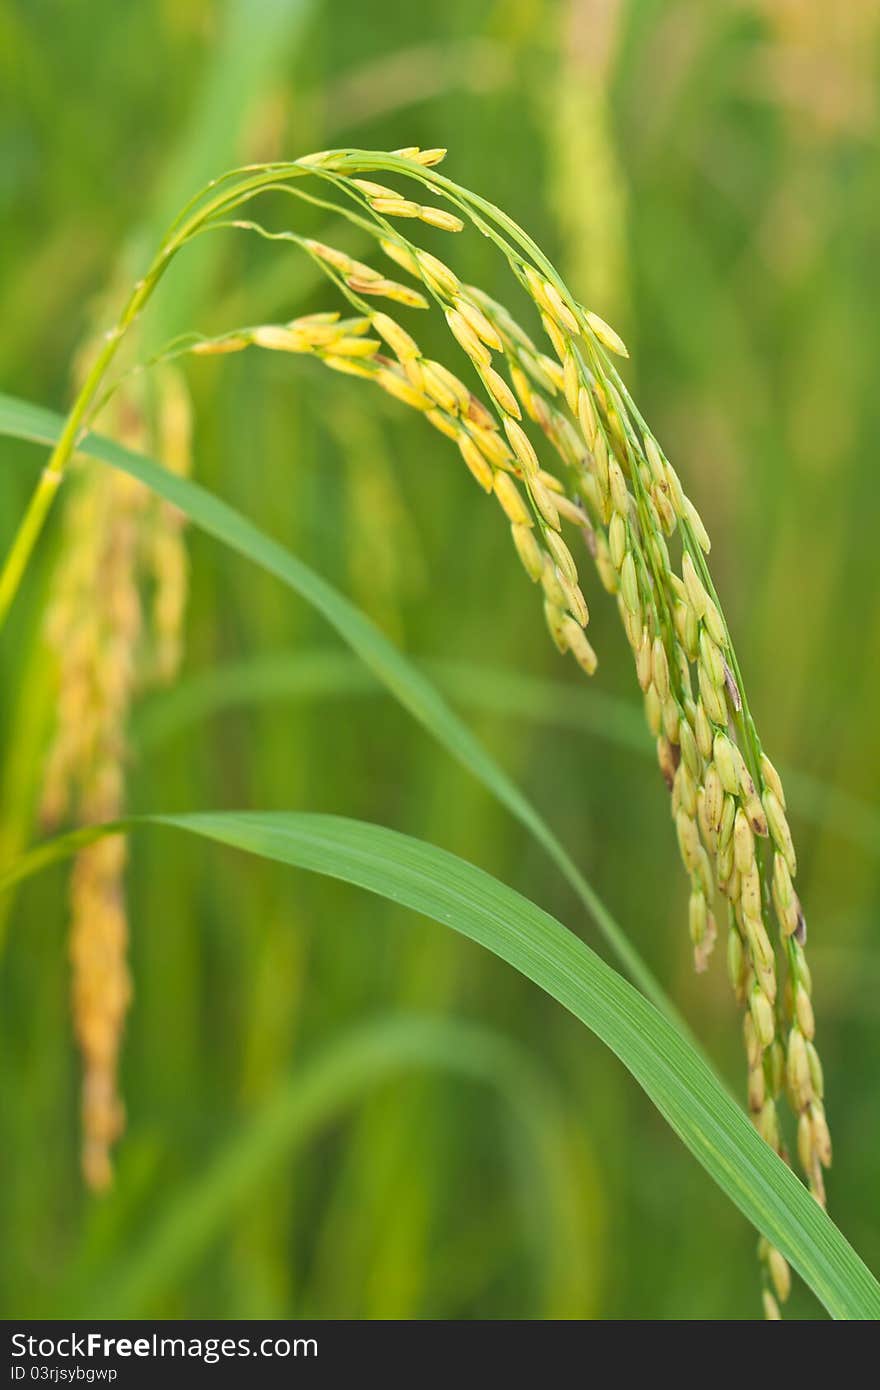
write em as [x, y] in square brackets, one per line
[613, 491]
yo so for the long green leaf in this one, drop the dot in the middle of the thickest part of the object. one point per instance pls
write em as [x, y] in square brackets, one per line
[441, 886]
[389, 665]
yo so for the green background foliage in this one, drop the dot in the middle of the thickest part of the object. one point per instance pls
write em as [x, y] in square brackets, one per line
[712, 195]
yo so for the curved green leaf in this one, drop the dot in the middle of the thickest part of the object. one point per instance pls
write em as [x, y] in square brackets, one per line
[439, 885]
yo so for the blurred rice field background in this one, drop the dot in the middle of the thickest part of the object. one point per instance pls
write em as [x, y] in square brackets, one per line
[335, 1109]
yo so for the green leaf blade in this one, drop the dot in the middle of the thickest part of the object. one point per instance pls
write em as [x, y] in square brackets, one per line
[445, 888]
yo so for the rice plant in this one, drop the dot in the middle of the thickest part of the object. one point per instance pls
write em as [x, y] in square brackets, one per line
[532, 399]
